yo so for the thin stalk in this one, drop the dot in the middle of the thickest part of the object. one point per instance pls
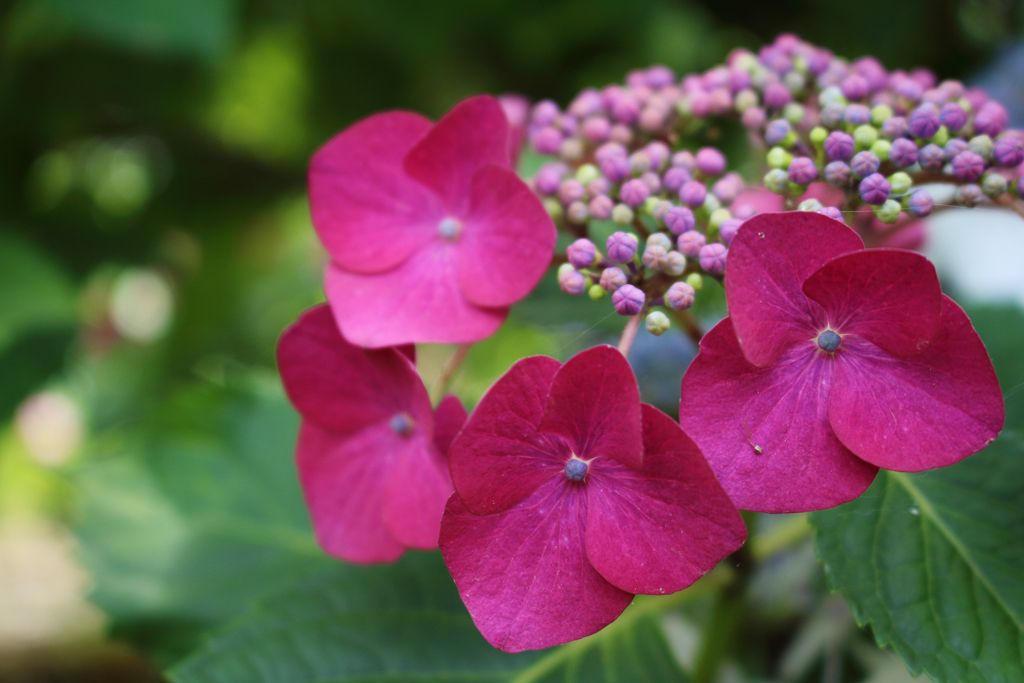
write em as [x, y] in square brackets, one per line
[629, 334]
[444, 381]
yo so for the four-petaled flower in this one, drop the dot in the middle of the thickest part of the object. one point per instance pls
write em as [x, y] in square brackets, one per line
[835, 360]
[371, 451]
[571, 497]
[432, 235]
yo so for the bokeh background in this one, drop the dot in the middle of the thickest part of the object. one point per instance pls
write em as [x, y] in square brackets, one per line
[155, 240]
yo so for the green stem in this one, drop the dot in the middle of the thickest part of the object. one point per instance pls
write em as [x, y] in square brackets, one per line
[440, 387]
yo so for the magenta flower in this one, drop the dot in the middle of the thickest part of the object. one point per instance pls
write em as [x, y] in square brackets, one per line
[570, 498]
[371, 452]
[835, 360]
[431, 234]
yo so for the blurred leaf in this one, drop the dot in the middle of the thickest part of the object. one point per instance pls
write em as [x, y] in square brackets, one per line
[406, 622]
[35, 292]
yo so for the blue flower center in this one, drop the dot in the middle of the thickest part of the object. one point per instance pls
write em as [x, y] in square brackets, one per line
[402, 424]
[829, 341]
[575, 470]
[449, 228]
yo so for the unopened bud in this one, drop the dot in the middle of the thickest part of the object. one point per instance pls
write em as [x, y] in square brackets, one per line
[621, 247]
[657, 323]
[628, 300]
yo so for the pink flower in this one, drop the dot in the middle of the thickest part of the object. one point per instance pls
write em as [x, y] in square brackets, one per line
[371, 452]
[431, 234]
[571, 497]
[835, 360]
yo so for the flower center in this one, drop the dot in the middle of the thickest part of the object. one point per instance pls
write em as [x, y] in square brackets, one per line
[828, 341]
[402, 424]
[575, 470]
[449, 228]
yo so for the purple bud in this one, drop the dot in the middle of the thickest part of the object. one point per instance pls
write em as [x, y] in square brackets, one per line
[548, 178]
[693, 194]
[954, 147]
[658, 152]
[874, 189]
[586, 103]
[700, 103]
[577, 212]
[854, 87]
[1009, 151]
[739, 79]
[864, 164]
[544, 113]
[567, 124]
[968, 166]
[832, 115]
[802, 171]
[952, 116]
[720, 101]
[597, 187]
[616, 169]
[727, 230]
[909, 89]
[968, 195]
[621, 247]
[920, 204]
[652, 181]
[753, 118]
[570, 190]
[582, 253]
[596, 129]
[710, 161]
[857, 114]
[601, 207]
[744, 211]
[895, 127]
[680, 219]
[626, 108]
[675, 178]
[612, 278]
[727, 188]
[777, 96]
[777, 131]
[838, 174]
[712, 257]
[684, 159]
[839, 146]
[546, 140]
[931, 157]
[680, 296]
[661, 209]
[609, 150]
[634, 193]
[872, 71]
[924, 121]
[991, 119]
[628, 300]
[572, 281]
[935, 97]
[953, 89]
[621, 134]
[903, 152]
[691, 242]
[658, 76]
[832, 212]
[655, 257]
[639, 162]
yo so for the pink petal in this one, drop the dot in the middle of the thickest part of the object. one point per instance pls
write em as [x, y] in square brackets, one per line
[417, 302]
[449, 416]
[416, 494]
[802, 466]
[891, 298]
[523, 573]
[659, 529]
[499, 458]
[472, 135]
[507, 241]
[769, 259]
[343, 479]
[595, 404]
[343, 387]
[368, 212]
[912, 414]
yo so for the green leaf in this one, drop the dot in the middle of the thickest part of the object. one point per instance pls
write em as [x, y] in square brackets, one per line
[36, 293]
[405, 622]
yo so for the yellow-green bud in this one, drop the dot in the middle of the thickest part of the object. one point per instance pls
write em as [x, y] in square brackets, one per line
[900, 183]
[881, 149]
[779, 158]
[596, 292]
[695, 281]
[865, 136]
[889, 212]
[881, 113]
[717, 216]
[818, 135]
[941, 136]
[587, 172]
[657, 323]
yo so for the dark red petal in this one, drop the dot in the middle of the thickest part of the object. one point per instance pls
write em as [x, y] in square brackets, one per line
[913, 414]
[769, 259]
[523, 573]
[659, 529]
[499, 458]
[802, 465]
[595, 405]
[342, 387]
[368, 212]
[472, 135]
[507, 241]
[449, 416]
[890, 297]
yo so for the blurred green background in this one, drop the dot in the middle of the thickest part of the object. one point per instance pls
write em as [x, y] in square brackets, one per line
[155, 241]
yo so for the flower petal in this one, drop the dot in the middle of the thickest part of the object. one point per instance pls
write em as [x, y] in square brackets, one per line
[499, 458]
[890, 297]
[470, 136]
[595, 405]
[912, 414]
[524, 574]
[449, 416]
[659, 529]
[507, 241]
[343, 387]
[769, 259]
[343, 479]
[368, 212]
[418, 302]
[415, 495]
[802, 465]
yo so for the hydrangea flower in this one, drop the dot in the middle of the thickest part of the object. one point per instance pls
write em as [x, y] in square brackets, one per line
[432, 235]
[571, 497]
[835, 361]
[371, 451]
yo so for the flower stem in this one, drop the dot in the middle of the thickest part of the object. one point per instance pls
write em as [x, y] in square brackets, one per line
[629, 334]
[444, 381]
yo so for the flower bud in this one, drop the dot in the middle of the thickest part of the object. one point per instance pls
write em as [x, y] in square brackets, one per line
[597, 129]
[622, 215]
[833, 94]
[546, 140]
[881, 113]
[548, 178]
[854, 87]
[675, 263]
[695, 280]
[712, 258]
[794, 113]
[954, 147]
[675, 178]
[968, 195]
[777, 131]
[832, 212]
[779, 158]
[710, 161]
[753, 118]
[570, 190]
[582, 253]
[920, 204]
[994, 185]
[941, 136]
[865, 136]
[857, 114]
[596, 293]
[577, 213]
[777, 180]
[717, 217]
[903, 152]
[691, 242]
[968, 166]
[554, 208]
[888, 212]
[809, 205]
[802, 171]
[924, 121]
[601, 207]
[621, 246]
[657, 323]
[991, 119]
[837, 173]
[660, 208]
[587, 173]
[931, 157]
[952, 116]
[655, 257]
[634, 192]
[832, 115]
[880, 148]
[900, 183]
[728, 229]
[612, 278]
[651, 181]
[680, 295]
[1008, 151]
[777, 96]
[895, 127]
[680, 219]
[874, 189]
[981, 145]
[864, 164]
[693, 194]
[839, 146]
[572, 281]
[727, 188]
[628, 300]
